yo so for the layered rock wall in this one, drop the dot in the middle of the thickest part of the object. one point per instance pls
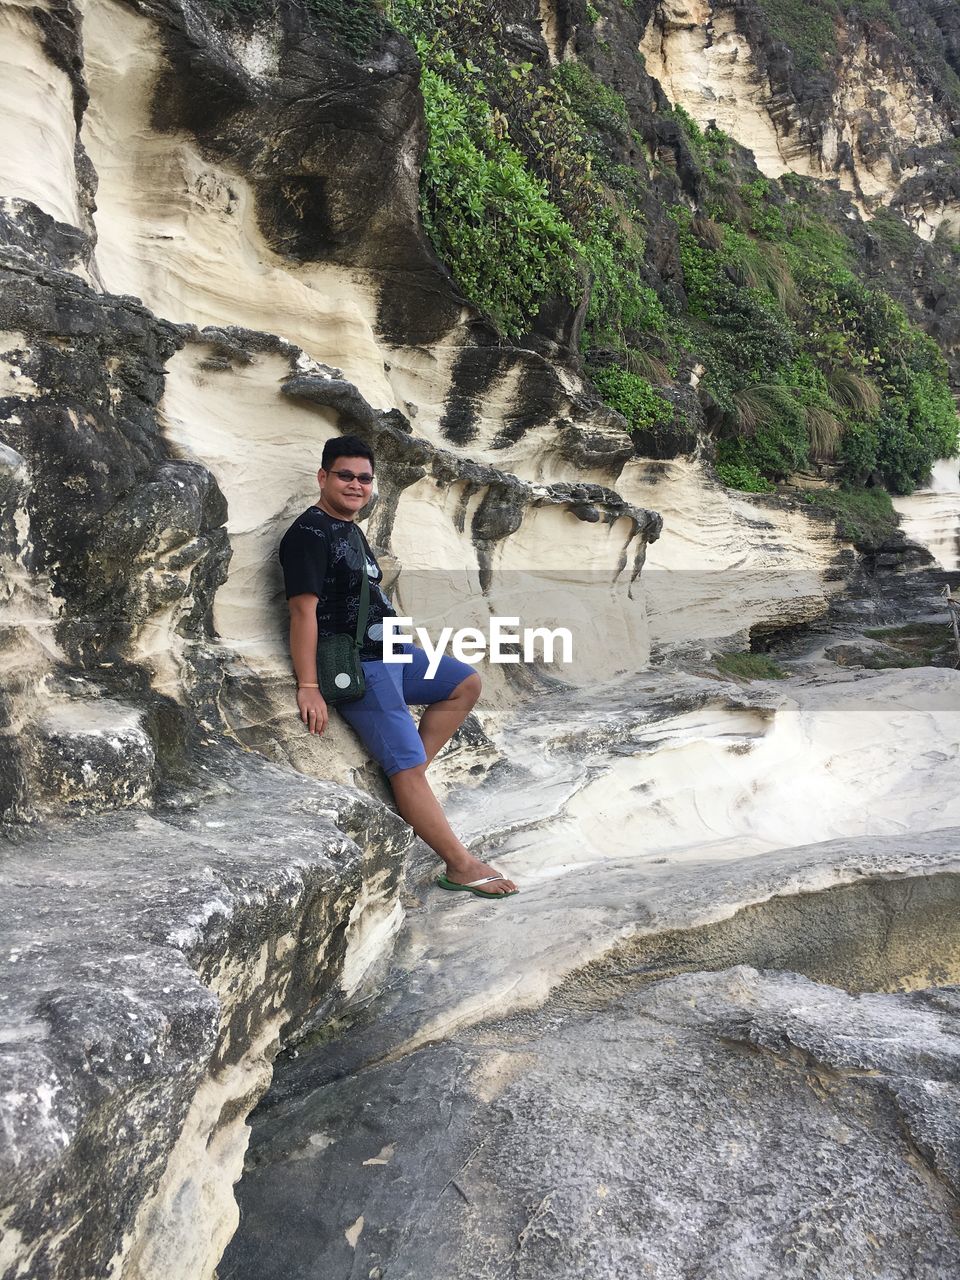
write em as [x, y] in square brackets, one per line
[865, 118]
[152, 965]
[172, 361]
[212, 262]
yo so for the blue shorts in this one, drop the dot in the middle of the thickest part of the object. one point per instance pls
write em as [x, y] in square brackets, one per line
[381, 718]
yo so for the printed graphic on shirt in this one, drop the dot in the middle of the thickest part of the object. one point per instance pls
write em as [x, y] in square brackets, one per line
[320, 557]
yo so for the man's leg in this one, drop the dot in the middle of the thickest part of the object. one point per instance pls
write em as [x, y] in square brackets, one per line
[383, 721]
[419, 807]
[441, 720]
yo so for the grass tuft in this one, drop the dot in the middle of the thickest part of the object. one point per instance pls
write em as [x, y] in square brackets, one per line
[865, 516]
[750, 666]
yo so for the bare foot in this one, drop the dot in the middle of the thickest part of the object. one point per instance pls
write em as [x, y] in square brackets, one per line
[474, 869]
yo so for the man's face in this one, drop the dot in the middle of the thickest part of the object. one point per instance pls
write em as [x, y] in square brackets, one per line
[346, 496]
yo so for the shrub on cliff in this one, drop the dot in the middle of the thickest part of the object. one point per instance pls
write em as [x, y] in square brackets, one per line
[802, 360]
[633, 396]
[488, 217]
[542, 181]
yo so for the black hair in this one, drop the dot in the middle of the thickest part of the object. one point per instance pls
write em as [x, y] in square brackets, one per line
[345, 447]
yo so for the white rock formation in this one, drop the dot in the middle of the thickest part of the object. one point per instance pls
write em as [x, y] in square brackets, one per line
[739, 773]
[706, 65]
[931, 516]
[929, 217]
[725, 564]
[180, 233]
[38, 131]
[674, 771]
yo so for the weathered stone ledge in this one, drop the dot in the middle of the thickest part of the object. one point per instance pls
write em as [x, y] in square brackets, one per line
[151, 966]
[409, 458]
[627, 1039]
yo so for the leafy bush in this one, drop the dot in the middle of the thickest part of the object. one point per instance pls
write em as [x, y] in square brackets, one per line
[622, 307]
[866, 333]
[710, 146]
[775, 450]
[765, 217]
[806, 26]
[518, 130]
[633, 396]
[894, 234]
[550, 127]
[595, 103]
[804, 360]
[743, 476]
[488, 217]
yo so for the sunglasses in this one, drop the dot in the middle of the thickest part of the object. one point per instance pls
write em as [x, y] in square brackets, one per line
[365, 477]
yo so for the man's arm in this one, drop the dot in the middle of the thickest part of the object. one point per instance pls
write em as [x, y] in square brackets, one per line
[303, 651]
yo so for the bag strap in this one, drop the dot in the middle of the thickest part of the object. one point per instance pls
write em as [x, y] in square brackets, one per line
[364, 611]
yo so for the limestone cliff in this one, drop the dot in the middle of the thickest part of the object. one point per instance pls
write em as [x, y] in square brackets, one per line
[739, 184]
[864, 100]
[222, 241]
[848, 99]
[188, 312]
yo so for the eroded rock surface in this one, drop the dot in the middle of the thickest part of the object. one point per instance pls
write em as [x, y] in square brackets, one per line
[513, 1038]
[631, 1137]
[152, 966]
[863, 116]
[211, 263]
[171, 367]
[743, 1121]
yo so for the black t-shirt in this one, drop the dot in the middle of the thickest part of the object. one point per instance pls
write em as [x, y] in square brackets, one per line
[320, 557]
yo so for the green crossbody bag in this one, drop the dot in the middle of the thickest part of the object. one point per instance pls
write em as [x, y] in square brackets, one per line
[339, 670]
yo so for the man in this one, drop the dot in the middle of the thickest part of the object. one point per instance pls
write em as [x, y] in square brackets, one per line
[322, 568]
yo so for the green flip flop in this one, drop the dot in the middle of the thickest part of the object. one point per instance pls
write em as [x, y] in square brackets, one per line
[473, 887]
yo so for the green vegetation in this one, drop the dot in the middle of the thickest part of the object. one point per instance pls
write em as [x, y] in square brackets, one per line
[928, 644]
[803, 360]
[710, 146]
[764, 218]
[864, 516]
[881, 658]
[487, 214]
[515, 196]
[742, 475]
[807, 27]
[633, 396]
[527, 196]
[885, 661]
[893, 233]
[592, 100]
[750, 666]
[507, 228]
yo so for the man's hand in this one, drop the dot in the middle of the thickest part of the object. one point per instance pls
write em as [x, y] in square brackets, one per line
[303, 651]
[313, 709]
